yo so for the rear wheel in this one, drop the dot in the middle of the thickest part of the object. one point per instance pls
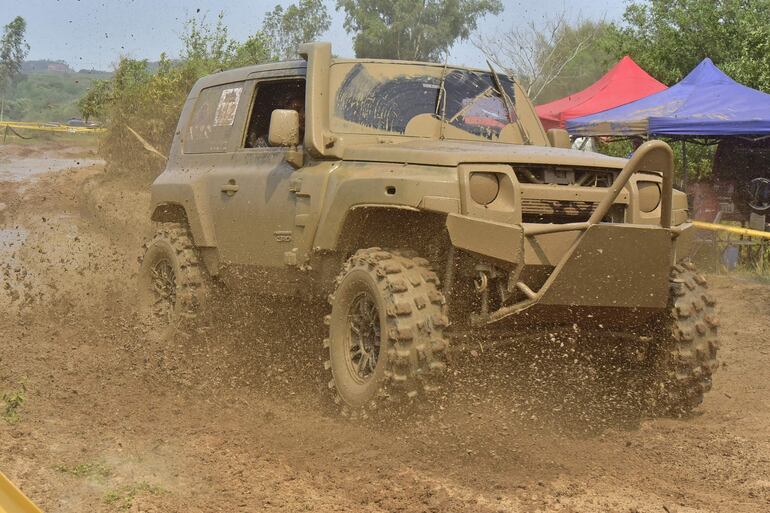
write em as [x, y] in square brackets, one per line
[172, 282]
[686, 358]
[386, 339]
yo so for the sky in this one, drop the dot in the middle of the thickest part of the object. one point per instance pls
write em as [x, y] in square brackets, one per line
[93, 34]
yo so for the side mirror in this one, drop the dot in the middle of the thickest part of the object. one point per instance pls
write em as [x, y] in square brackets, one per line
[557, 137]
[284, 128]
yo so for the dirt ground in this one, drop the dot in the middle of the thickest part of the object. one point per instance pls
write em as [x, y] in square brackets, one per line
[101, 415]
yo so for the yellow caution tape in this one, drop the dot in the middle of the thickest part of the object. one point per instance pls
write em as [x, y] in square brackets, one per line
[731, 229]
[50, 127]
[12, 500]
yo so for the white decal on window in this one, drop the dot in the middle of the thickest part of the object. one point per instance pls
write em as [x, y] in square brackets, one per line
[228, 105]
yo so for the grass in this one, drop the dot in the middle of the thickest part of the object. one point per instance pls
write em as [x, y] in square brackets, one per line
[123, 497]
[13, 403]
[98, 470]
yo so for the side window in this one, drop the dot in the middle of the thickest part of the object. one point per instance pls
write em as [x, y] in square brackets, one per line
[211, 122]
[269, 96]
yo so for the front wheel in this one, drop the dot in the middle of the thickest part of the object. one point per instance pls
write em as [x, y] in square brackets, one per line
[386, 338]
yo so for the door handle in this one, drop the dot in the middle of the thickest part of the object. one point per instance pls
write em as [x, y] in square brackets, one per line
[230, 187]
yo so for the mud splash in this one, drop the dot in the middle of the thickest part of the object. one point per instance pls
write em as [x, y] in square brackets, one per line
[233, 417]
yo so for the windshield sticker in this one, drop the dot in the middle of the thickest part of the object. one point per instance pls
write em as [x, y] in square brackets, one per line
[228, 105]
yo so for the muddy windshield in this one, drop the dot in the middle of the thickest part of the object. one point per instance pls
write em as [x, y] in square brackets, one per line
[382, 98]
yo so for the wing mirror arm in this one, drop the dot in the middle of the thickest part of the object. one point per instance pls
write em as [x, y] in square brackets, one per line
[295, 157]
[284, 132]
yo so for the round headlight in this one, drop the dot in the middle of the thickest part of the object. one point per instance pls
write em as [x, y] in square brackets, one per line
[649, 196]
[484, 187]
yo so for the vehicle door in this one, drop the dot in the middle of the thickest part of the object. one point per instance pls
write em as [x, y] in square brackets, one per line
[251, 190]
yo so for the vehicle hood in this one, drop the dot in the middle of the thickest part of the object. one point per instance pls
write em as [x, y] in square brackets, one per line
[453, 153]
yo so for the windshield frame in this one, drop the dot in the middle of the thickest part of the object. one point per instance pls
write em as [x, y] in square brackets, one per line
[340, 70]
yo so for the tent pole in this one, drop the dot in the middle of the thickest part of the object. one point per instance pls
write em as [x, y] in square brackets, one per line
[684, 166]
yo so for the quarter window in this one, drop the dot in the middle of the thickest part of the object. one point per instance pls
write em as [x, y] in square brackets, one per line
[211, 122]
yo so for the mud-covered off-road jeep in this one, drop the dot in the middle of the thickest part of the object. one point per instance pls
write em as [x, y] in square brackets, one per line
[423, 200]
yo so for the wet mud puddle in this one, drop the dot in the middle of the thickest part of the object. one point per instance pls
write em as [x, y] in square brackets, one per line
[20, 169]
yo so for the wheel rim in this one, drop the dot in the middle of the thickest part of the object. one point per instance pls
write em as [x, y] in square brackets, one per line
[163, 286]
[759, 193]
[363, 340]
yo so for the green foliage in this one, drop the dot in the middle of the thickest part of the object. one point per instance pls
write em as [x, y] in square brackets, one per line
[13, 402]
[412, 29]
[93, 102]
[288, 28]
[123, 498]
[48, 96]
[13, 50]
[254, 50]
[668, 38]
[574, 72]
[700, 157]
[147, 102]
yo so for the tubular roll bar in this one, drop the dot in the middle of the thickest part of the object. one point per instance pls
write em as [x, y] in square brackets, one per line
[653, 155]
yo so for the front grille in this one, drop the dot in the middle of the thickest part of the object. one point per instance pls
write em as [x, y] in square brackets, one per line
[560, 211]
[559, 175]
[557, 207]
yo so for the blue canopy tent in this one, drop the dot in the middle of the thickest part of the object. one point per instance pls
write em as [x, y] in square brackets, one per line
[706, 103]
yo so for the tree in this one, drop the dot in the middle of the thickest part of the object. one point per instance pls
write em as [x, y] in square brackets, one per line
[94, 102]
[670, 37]
[297, 24]
[551, 58]
[420, 30]
[207, 48]
[13, 50]
[255, 50]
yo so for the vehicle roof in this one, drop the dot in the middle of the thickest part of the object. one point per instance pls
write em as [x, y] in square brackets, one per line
[246, 72]
[418, 63]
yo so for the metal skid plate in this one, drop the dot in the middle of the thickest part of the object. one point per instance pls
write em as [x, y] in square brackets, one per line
[615, 266]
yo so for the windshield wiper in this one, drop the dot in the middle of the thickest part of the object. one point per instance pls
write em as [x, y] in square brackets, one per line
[441, 99]
[508, 104]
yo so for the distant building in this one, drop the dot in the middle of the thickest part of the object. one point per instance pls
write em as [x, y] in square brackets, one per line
[45, 65]
[58, 67]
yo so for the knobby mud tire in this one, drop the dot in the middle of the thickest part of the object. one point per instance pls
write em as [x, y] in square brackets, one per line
[685, 362]
[413, 348]
[173, 243]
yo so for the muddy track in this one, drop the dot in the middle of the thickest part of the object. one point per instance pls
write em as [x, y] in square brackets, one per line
[233, 417]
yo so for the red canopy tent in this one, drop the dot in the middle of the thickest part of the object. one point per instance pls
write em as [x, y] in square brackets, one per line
[624, 83]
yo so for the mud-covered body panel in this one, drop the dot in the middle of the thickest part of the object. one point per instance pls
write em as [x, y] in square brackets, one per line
[454, 153]
[358, 184]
